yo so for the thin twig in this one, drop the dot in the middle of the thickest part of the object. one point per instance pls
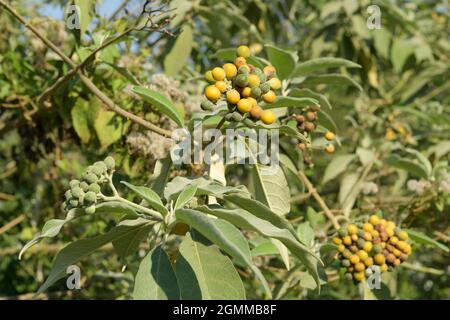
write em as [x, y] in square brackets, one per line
[12, 223]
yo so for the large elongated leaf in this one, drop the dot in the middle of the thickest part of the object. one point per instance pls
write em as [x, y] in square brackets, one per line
[76, 250]
[414, 168]
[148, 195]
[422, 238]
[337, 166]
[248, 221]
[204, 273]
[185, 196]
[321, 64]
[180, 52]
[156, 279]
[334, 79]
[307, 93]
[129, 244]
[224, 235]
[284, 61]
[161, 103]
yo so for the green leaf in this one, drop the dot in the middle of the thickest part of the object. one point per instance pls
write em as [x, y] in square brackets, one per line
[422, 238]
[176, 59]
[204, 273]
[333, 79]
[224, 235]
[283, 102]
[52, 228]
[246, 220]
[425, 163]
[382, 41]
[156, 279]
[129, 244]
[318, 64]
[410, 166]
[150, 196]
[85, 11]
[306, 234]
[161, 175]
[185, 196]
[401, 50]
[161, 103]
[265, 248]
[307, 93]
[73, 252]
[80, 120]
[108, 127]
[283, 61]
[337, 165]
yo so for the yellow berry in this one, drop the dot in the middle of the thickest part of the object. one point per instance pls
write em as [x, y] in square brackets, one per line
[359, 267]
[253, 80]
[368, 236]
[390, 232]
[230, 70]
[354, 237]
[329, 148]
[367, 227]
[393, 240]
[403, 235]
[218, 73]
[379, 259]
[337, 240]
[243, 51]
[375, 233]
[221, 85]
[269, 97]
[239, 62]
[383, 222]
[352, 229]
[341, 248]
[374, 220]
[275, 83]
[347, 254]
[354, 259]
[253, 101]
[383, 268]
[269, 71]
[246, 92]
[368, 246]
[407, 249]
[347, 240]
[209, 76]
[396, 252]
[244, 105]
[397, 262]
[362, 255]
[390, 224]
[268, 117]
[368, 262]
[330, 136]
[212, 93]
[359, 276]
[233, 96]
[401, 245]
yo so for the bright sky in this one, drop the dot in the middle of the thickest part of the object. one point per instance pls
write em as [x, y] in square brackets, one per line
[105, 9]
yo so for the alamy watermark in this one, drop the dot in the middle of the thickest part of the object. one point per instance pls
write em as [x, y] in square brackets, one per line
[73, 14]
[73, 282]
[374, 20]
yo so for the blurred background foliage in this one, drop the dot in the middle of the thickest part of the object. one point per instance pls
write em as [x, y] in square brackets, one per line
[394, 133]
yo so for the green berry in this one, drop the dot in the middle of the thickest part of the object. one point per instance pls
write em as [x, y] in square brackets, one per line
[348, 276]
[90, 197]
[244, 70]
[77, 192]
[361, 243]
[265, 87]
[346, 263]
[68, 195]
[342, 232]
[73, 203]
[110, 163]
[256, 92]
[91, 178]
[369, 272]
[98, 170]
[258, 71]
[207, 105]
[377, 248]
[74, 183]
[90, 209]
[262, 77]
[237, 116]
[94, 187]
[101, 164]
[84, 186]
[241, 80]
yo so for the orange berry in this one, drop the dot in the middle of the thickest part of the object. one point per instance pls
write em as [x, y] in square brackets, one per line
[218, 73]
[359, 267]
[239, 62]
[230, 70]
[329, 148]
[374, 219]
[221, 85]
[352, 229]
[246, 92]
[244, 105]
[212, 93]
[256, 113]
[253, 101]
[354, 259]
[359, 276]
[379, 259]
[269, 71]
[403, 235]
[233, 96]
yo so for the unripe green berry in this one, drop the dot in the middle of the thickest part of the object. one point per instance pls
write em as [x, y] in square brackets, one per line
[349, 276]
[207, 105]
[262, 77]
[84, 186]
[91, 178]
[342, 232]
[97, 170]
[77, 192]
[244, 70]
[68, 195]
[361, 243]
[101, 164]
[94, 187]
[237, 116]
[110, 163]
[368, 272]
[265, 87]
[377, 248]
[241, 80]
[258, 71]
[90, 209]
[346, 263]
[90, 197]
[74, 183]
[73, 203]
[256, 92]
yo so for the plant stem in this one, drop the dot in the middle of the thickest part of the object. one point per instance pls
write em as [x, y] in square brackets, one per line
[154, 214]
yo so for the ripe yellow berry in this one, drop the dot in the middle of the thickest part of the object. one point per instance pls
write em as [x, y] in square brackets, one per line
[341, 248]
[375, 233]
[397, 262]
[352, 229]
[396, 252]
[347, 240]
[221, 85]
[407, 249]
[209, 76]
[368, 262]
[390, 224]
[401, 245]
[329, 148]
[230, 70]
[253, 101]
[239, 62]
[269, 71]
[275, 83]
[354, 259]
[337, 240]
[233, 96]
[383, 268]
[368, 246]
[403, 235]
[359, 267]
[354, 237]
[393, 240]
[243, 51]
[253, 80]
[362, 255]
[347, 254]
[367, 236]
[212, 93]
[268, 117]
[218, 73]
[374, 219]
[246, 92]
[390, 232]
[359, 276]
[383, 222]
[379, 259]
[330, 136]
[244, 105]
[367, 227]
[269, 97]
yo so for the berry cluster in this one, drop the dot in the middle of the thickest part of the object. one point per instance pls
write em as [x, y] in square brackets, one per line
[243, 86]
[84, 193]
[378, 243]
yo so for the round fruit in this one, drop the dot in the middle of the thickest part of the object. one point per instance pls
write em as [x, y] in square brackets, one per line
[359, 276]
[359, 267]
[265, 87]
[347, 240]
[367, 236]
[68, 195]
[341, 248]
[337, 240]
[362, 255]
[230, 70]
[269, 97]
[354, 259]
[310, 116]
[218, 74]
[256, 92]
[239, 62]
[233, 96]
[407, 249]
[244, 69]
[243, 51]
[352, 229]
[368, 262]
[300, 118]
[269, 71]
[389, 232]
[342, 232]
[403, 235]
[309, 126]
[91, 178]
[221, 85]
[374, 219]
[74, 183]
[401, 245]
[77, 192]
[90, 209]
[393, 240]
[256, 112]
[360, 243]
[346, 263]
[236, 116]
[246, 92]
[354, 248]
[390, 224]
[212, 93]
[383, 268]
[379, 259]
[329, 148]
[349, 276]
[302, 146]
[253, 101]
[241, 80]
[268, 117]
[330, 137]
[84, 186]
[207, 105]
[253, 80]
[368, 246]
[244, 105]
[209, 76]
[275, 83]
[94, 187]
